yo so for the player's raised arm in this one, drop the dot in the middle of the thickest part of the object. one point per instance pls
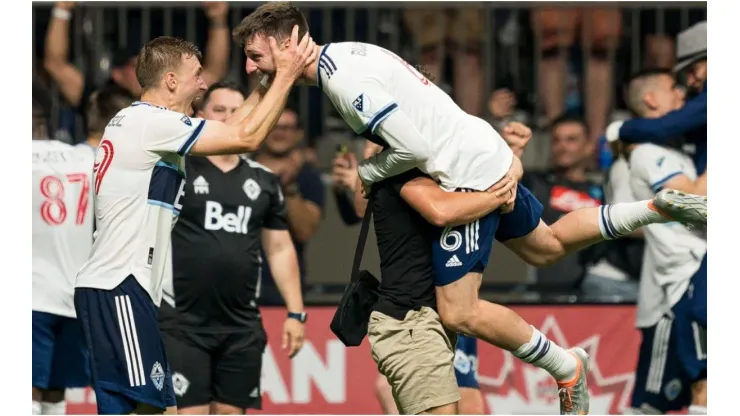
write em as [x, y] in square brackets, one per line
[247, 135]
[408, 149]
[659, 167]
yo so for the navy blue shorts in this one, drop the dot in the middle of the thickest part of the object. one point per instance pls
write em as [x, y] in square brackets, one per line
[466, 362]
[660, 382]
[460, 250]
[59, 353]
[128, 360]
[691, 325]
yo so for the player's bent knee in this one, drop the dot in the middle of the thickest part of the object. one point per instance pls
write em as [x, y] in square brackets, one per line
[458, 317]
[457, 302]
[539, 248]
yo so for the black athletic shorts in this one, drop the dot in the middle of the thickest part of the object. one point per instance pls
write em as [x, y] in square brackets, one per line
[221, 367]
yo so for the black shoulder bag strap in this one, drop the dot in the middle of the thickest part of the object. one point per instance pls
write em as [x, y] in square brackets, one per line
[361, 239]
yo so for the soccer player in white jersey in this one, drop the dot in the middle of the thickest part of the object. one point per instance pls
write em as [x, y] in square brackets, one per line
[672, 302]
[138, 181]
[394, 105]
[62, 237]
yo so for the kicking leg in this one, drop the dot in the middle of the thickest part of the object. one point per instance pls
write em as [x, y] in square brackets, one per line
[584, 227]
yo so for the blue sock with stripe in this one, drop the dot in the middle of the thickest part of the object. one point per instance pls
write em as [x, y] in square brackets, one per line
[619, 220]
[545, 354]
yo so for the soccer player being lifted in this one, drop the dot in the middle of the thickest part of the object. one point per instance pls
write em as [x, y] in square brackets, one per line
[392, 104]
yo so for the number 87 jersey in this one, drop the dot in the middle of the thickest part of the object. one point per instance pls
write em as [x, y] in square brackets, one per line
[62, 222]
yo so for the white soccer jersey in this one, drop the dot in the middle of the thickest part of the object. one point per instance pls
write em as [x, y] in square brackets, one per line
[62, 223]
[367, 83]
[139, 180]
[673, 253]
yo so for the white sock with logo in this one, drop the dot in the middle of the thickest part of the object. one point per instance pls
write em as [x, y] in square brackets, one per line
[54, 408]
[545, 354]
[619, 220]
[697, 410]
[35, 407]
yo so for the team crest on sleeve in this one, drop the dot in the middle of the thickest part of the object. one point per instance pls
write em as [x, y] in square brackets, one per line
[252, 189]
[186, 120]
[359, 102]
[157, 375]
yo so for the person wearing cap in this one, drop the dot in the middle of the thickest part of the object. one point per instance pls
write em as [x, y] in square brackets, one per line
[71, 80]
[690, 121]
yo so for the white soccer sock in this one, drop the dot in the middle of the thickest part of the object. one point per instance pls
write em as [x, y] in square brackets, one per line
[618, 220]
[545, 354]
[697, 410]
[54, 408]
[35, 407]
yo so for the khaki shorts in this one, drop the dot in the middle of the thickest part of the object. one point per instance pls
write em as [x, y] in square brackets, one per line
[416, 357]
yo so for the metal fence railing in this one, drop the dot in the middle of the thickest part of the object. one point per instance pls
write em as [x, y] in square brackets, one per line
[499, 36]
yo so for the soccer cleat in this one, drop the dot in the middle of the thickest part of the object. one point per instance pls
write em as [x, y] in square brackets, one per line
[574, 398]
[678, 206]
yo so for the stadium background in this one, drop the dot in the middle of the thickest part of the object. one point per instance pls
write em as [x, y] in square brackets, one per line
[326, 377]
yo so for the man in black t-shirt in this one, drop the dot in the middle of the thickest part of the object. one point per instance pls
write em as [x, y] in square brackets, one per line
[408, 342]
[211, 326]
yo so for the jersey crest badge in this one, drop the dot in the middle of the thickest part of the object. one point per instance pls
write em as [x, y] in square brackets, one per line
[660, 161]
[358, 102]
[186, 120]
[157, 375]
[200, 186]
[180, 384]
[252, 189]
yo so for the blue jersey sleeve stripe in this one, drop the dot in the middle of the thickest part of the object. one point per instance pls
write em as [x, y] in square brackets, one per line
[326, 66]
[658, 186]
[318, 61]
[171, 166]
[185, 148]
[163, 205]
[381, 115]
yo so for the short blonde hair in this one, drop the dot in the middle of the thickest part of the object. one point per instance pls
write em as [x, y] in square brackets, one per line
[162, 55]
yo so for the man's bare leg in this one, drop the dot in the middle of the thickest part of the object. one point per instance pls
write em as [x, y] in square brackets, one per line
[698, 398]
[461, 310]
[584, 227]
[384, 394]
[471, 402]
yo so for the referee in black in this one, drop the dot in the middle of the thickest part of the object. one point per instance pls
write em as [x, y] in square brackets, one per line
[209, 319]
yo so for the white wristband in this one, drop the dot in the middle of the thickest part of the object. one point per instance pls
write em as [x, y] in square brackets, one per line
[61, 14]
[612, 131]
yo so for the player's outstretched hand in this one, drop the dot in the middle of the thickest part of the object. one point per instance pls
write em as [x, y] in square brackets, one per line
[292, 60]
[292, 336]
